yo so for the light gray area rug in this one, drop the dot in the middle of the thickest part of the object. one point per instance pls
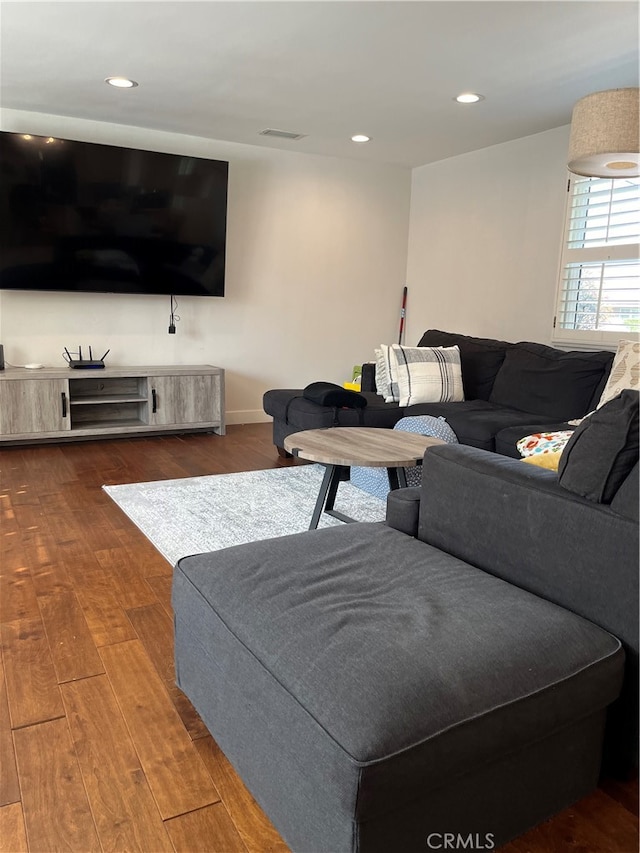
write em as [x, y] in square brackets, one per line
[198, 514]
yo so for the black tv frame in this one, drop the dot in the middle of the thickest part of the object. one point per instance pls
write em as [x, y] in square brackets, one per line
[86, 217]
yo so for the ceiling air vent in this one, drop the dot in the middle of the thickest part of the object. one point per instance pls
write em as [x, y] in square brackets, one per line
[282, 134]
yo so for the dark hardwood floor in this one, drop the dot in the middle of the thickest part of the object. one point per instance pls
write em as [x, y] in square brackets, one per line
[99, 750]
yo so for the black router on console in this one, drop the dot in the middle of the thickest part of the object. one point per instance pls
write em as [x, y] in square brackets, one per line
[81, 363]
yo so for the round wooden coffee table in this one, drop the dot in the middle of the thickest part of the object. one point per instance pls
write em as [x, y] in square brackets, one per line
[338, 448]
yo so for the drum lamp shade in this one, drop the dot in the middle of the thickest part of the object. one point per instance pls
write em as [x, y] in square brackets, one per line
[605, 135]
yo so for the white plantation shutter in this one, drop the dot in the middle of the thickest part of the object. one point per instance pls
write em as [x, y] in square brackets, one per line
[599, 289]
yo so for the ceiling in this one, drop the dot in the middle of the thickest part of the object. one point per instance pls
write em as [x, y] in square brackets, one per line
[330, 69]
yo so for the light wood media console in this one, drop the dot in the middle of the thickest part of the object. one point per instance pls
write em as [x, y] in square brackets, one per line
[62, 404]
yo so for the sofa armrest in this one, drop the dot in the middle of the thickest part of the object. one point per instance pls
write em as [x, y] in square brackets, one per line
[403, 509]
[516, 522]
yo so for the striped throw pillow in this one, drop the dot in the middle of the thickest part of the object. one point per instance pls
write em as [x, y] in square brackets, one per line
[386, 384]
[428, 374]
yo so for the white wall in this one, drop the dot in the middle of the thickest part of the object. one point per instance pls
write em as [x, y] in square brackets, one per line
[485, 238]
[316, 262]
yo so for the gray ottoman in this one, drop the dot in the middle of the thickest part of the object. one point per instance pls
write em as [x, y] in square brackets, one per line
[373, 691]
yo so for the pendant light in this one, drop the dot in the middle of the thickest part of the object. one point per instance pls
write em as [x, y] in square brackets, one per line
[605, 133]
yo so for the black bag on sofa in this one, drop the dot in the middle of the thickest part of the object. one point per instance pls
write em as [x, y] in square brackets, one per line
[330, 394]
[333, 396]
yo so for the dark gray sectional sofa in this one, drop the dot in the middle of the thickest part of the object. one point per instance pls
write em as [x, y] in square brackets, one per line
[511, 390]
[453, 670]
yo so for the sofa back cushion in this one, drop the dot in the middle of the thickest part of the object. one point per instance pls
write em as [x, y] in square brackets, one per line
[603, 450]
[599, 389]
[480, 359]
[626, 501]
[547, 381]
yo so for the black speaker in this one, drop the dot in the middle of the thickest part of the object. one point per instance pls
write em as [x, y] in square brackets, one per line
[1, 357]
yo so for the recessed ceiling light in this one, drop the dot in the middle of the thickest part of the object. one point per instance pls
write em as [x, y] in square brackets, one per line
[468, 98]
[121, 82]
[360, 137]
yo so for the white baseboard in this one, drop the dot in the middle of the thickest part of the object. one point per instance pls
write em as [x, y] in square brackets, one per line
[247, 416]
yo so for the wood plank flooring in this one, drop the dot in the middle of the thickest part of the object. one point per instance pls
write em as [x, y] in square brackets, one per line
[99, 750]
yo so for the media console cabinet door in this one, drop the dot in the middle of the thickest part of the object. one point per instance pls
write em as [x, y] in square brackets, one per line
[34, 406]
[186, 400]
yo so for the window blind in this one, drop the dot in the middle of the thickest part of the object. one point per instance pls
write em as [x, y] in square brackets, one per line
[599, 287]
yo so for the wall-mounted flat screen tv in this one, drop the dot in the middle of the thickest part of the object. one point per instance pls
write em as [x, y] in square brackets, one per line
[77, 216]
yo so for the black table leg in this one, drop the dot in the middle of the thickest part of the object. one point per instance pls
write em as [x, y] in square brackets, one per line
[329, 473]
[397, 478]
[329, 489]
[327, 495]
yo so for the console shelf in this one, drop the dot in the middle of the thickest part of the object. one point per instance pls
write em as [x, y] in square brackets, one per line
[64, 404]
[115, 424]
[107, 398]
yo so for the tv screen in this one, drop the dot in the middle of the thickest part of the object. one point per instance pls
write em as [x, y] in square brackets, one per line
[76, 216]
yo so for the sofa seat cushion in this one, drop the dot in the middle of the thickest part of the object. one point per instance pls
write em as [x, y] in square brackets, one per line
[480, 359]
[288, 404]
[556, 384]
[389, 665]
[475, 422]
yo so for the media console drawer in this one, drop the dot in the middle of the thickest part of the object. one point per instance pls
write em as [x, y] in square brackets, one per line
[64, 405]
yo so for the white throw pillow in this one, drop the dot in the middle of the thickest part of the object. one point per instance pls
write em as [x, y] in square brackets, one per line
[428, 374]
[386, 382]
[625, 371]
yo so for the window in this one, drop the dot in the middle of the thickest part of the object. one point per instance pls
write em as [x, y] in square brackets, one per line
[599, 288]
